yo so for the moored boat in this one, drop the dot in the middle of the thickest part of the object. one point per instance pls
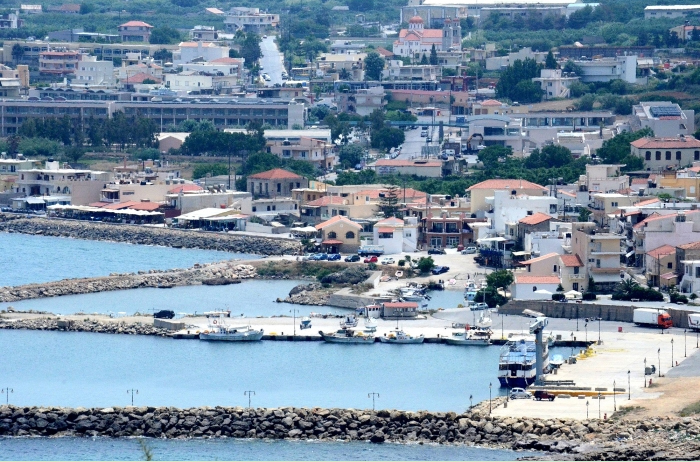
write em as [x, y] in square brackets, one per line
[401, 337]
[218, 330]
[516, 367]
[470, 338]
[347, 336]
[348, 321]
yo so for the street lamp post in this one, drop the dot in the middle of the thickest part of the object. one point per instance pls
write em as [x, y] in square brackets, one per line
[587, 403]
[572, 344]
[629, 385]
[489, 397]
[132, 392]
[685, 343]
[645, 372]
[671, 352]
[294, 315]
[658, 352]
[7, 392]
[599, 395]
[248, 393]
[614, 396]
[471, 405]
[599, 319]
[373, 395]
[585, 326]
[498, 308]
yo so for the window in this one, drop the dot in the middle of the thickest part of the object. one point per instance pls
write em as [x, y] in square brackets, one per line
[648, 155]
[668, 155]
[268, 208]
[349, 235]
[575, 285]
[534, 288]
[697, 271]
[669, 265]
[552, 208]
[255, 209]
[658, 155]
[279, 187]
[597, 263]
[678, 155]
[554, 270]
[614, 204]
[575, 269]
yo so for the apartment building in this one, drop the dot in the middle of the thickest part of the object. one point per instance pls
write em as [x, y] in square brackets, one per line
[363, 101]
[448, 229]
[275, 183]
[666, 119]
[608, 69]
[555, 84]
[318, 152]
[507, 209]
[250, 20]
[199, 51]
[658, 263]
[669, 11]
[91, 72]
[60, 63]
[600, 255]
[396, 235]
[660, 153]
[480, 191]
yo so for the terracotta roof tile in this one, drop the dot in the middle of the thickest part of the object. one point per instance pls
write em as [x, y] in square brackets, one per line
[185, 188]
[336, 219]
[135, 24]
[147, 206]
[275, 174]
[537, 279]
[690, 246]
[400, 305]
[390, 221]
[647, 202]
[570, 260]
[506, 184]
[666, 143]
[661, 251]
[535, 219]
[539, 259]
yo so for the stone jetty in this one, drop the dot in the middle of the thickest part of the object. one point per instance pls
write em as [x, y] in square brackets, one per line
[230, 272]
[144, 235]
[88, 325]
[612, 439]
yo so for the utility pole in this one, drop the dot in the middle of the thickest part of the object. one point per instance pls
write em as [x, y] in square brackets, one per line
[373, 395]
[7, 392]
[249, 393]
[132, 392]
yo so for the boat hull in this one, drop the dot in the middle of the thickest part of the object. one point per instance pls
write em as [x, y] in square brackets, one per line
[356, 340]
[452, 341]
[237, 337]
[407, 341]
[516, 382]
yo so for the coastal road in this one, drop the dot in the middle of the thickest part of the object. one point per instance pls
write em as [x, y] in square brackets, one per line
[271, 61]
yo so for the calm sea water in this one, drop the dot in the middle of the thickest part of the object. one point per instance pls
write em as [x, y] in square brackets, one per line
[29, 259]
[236, 449]
[252, 298]
[84, 369]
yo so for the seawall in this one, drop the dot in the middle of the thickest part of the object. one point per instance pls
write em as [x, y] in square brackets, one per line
[612, 439]
[134, 234]
[225, 272]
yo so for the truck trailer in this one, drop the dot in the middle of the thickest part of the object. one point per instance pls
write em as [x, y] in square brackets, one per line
[652, 317]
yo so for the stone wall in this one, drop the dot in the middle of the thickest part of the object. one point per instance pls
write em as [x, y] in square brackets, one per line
[167, 237]
[613, 439]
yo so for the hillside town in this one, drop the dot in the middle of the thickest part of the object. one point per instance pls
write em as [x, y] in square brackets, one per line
[539, 159]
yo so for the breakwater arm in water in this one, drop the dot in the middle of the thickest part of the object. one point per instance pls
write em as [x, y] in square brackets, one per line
[145, 235]
[212, 273]
[613, 439]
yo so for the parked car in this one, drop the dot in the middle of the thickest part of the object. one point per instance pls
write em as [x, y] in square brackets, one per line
[164, 314]
[423, 134]
[352, 258]
[469, 250]
[429, 139]
[334, 257]
[372, 259]
[436, 251]
[388, 261]
[424, 127]
[479, 306]
[543, 394]
[440, 269]
[520, 393]
[445, 157]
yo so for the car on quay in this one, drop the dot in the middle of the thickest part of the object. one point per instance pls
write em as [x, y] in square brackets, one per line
[334, 257]
[352, 258]
[520, 393]
[440, 269]
[543, 394]
[371, 259]
[469, 250]
[388, 261]
[436, 251]
[164, 314]
[479, 306]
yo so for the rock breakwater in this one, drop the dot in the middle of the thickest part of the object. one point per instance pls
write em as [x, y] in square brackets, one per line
[85, 326]
[133, 234]
[225, 271]
[653, 439]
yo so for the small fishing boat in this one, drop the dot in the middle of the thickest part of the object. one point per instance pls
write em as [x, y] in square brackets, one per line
[218, 330]
[399, 336]
[217, 314]
[347, 336]
[470, 338]
[305, 323]
[348, 321]
[370, 325]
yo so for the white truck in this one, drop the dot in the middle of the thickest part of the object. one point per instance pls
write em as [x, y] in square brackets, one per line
[652, 317]
[694, 321]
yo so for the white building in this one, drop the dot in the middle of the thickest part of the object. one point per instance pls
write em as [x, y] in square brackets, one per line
[605, 178]
[417, 41]
[508, 209]
[526, 287]
[607, 69]
[690, 281]
[660, 153]
[397, 70]
[199, 51]
[396, 235]
[497, 63]
[556, 240]
[554, 84]
[250, 20]
[189, 81]
[665, 118]
[669, 11]
[91, 72]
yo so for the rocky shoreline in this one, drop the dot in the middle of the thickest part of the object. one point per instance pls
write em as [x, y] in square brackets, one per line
[613, 439]
[93, 326]
[205, 273]
[133, 234]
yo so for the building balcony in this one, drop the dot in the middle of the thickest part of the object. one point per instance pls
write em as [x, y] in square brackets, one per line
[607, 252]
[576, 277]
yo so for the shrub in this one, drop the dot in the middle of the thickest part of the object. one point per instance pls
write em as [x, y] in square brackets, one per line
[558, 297]
[402, 263]
[589, 296]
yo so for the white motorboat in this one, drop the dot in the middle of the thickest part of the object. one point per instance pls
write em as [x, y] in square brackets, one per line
[218, 330]
[399, 336]
[348, 321]
[347, 336]
[470, 338]
[370, 325]
[217, 314]
[484, 321]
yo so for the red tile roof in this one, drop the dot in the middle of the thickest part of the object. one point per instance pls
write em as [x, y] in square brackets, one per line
[384, 52]
[661, 251]
[275, 174]
[120, 205]
[99, 204]
[332, 242]
[400, 305]
[391, 221]
[642, 181]
[140, 77]
[570, 260]
[539, 259]
[491, 102]
[385, 230]
[226, 61]
[666, 143]
[185, 188]
[506, 184]
[336, 219]
[537, 279]
[135, 24]
[535, 219]
[647, 202]
[147, 206]
[690, 246]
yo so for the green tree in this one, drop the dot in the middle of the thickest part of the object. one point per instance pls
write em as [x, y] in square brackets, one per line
[616, 150]
[17, 52]
[433, 56]
[250, 49]
[550, 62]
[163, 55]
[87, 8]
[74, 153]
[501, 278]
[201, 170]
[425, 264]
[350, 155]
[165, 36]
[387, 138]
[584, 215]
[572, 67]
[374, 65]
[389, 202]
[551, 156]
[586, 102]
[424, 60]
[516, 82]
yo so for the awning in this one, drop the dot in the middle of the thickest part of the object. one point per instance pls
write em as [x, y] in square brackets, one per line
[492, 239]
[543, 292]
[385, 230]
[332, 242]
[521, 253]
[35, 200]
[669, 276]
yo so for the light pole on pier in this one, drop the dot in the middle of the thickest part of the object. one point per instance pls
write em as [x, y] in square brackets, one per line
[7, 392]
[249, 393]
[587, 403]
[489, 398]
[132, 392]
[671, 352]
[294, 314]
[645, 372]
[599, 396]
[614, 396]
[629, 385]
[373, 395]
[471, 405]
[658, 352]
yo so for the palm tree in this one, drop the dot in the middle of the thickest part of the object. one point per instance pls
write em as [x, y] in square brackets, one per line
[628, 287]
